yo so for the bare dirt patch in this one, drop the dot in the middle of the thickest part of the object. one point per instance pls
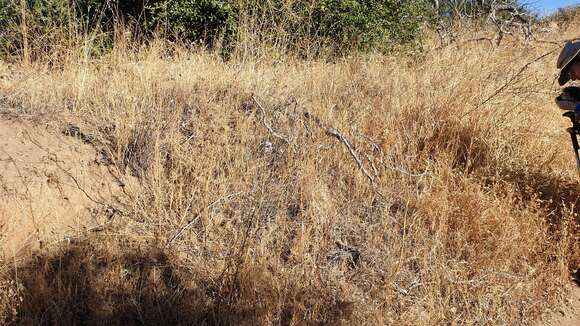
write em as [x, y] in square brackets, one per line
[51, 186]
[572, 311]
[569, 314]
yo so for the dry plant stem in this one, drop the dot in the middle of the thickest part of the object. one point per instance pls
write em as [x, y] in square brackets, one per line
[375, 171]
[504, 86]
[335, 133]
[377, 148]
[197, 215]
[472, 243]
[79, 186]
[479, 39]
[274, 133]
[24, 31]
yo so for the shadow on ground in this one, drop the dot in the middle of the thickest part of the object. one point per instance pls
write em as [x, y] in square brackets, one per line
[560, 198]
[88, 284]
[104, 281]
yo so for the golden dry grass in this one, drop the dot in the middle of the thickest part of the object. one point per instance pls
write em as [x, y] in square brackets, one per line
[247, 211]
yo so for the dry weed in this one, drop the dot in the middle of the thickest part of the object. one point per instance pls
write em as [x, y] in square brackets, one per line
[470, 217]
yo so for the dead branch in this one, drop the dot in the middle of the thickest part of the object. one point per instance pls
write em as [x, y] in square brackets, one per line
[504, 86]
[479, 39]
[197, 215]
[377, 148]
[506, 16]
[375, 171]
[265, 122]
[335, 133]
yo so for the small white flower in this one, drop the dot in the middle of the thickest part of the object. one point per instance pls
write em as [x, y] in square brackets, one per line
[268, 147]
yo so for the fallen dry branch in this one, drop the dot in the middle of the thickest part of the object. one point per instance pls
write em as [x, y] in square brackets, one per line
[265, 122]
[335, 133]
[197, 215]
[510, 81]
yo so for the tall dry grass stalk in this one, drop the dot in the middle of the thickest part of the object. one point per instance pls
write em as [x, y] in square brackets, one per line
[247, 211]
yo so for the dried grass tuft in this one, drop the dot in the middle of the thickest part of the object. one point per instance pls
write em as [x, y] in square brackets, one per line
[259, 216]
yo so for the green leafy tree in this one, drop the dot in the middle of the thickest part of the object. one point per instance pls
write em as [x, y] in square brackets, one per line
[365, 24]
[23, 21]
[192, 19]
[343, 25]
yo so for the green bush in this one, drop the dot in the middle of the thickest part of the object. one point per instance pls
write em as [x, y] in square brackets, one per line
[44, 20]
[194, 19]
[366, 24]
[342, 25]
[7, 13]
[103, 14]
[45, 14]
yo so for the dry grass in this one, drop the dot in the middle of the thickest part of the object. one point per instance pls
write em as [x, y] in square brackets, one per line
[248, 212]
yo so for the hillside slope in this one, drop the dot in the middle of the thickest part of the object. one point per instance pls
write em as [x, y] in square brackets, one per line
[420, 189]
[50, 186]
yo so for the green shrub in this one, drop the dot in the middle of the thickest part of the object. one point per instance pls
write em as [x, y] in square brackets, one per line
[192, 20]
[7, 12]
[45, 14]
[45, 20]
[342, 25]
[367, 24]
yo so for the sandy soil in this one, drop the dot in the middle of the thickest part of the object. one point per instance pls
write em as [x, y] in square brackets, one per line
[51, 187]
[569, 315]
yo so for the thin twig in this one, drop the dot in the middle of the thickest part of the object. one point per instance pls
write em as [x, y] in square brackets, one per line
[398, 169]
[274, 133]
[376, 147]
[375, 171]
[504, 86]
[74, 179]
[488, 39]
[335, 133]
[196, 217]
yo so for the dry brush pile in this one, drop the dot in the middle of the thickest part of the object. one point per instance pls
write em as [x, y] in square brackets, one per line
[370, 190]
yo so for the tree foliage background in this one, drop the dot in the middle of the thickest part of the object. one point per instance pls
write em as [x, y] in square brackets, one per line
[343, 25]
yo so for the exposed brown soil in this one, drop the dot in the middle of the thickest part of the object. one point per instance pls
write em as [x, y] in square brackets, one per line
[569, 315]
[51, 186]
